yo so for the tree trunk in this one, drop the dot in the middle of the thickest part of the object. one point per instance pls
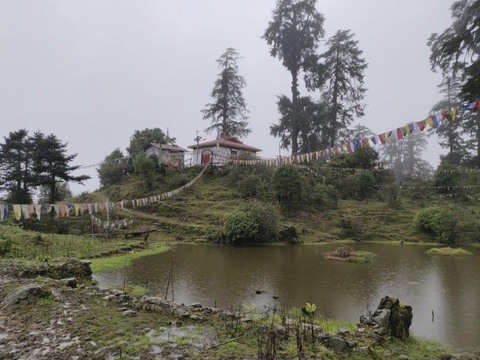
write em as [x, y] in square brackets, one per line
[477, 120]
[335, 105]
[295, 125]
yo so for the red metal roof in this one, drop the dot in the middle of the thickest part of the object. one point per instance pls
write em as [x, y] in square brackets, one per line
[230, 142]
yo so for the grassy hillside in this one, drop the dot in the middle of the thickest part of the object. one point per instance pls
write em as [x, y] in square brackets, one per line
[200, 211]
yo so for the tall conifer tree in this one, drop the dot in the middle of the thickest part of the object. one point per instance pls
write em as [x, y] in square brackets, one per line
[228, 112]
[293, 36]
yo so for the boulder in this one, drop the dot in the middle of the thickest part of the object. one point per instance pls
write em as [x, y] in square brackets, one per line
[391, 317]
[71, 268]
[338, 343]
[25, 294]
[70, 282]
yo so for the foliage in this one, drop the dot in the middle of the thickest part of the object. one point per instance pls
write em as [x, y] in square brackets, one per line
[451, 133]
[113, 168]
[145, 167]
[252, 222]
[390, 193]
[361, 185]
[447, 176]
[288, 184]
[404, 157]
[241, 226]
[355, 175]
[51, 164]
[293, 36]
[62, 191]
[438, 222]
[322, 196]
[6, 246]
[308, 124]
[15, 167]
[140, 139]
[252, 186]
[309, 309]
[456, 52]
[448, 252]
[340, 79]
[228, 113]
[343, 251]
[353, 227]
[457, 49]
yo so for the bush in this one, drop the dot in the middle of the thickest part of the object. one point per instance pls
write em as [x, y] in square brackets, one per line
[353, 227]
[252, 186]
[324, 196]
[241, 226]
[361, 185]
[252, 222]
[391, 195]
[438, 222]
[6, 247]
[343, 251]
[288, 185]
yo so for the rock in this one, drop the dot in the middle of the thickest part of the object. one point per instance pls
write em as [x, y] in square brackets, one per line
[25, 294]
[351, 344]
[400, 317]
[280, 331]
[323, 336]
[73, 268]
[337, 343]
[196, 306]
[129, 313]
[391, 317]
[375, 336]
[70, 282]
[381, 317]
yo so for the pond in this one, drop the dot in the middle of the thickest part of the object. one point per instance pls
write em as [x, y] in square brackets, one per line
[228, 277]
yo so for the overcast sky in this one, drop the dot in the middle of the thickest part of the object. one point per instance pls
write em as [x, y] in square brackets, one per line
[94, 71]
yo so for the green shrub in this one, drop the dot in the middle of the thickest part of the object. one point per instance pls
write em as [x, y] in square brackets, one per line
[241, 226]
[252, 222]
[6, 247]
[343, 251]
[252, 186]
[391, 195]
[361, 185]
[288, 184]
[353, 227]
[438, 222]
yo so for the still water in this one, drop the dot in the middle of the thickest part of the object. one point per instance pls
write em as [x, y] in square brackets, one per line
[229, 276]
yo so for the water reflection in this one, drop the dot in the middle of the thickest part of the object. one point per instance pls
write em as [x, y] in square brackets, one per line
[229, 276]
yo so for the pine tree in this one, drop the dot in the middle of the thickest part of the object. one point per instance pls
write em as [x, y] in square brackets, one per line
[457, 51]
[228, 112]
[51, 164]
[15, 166]
[310, 129]
[450, 132]
[293, 36]
[404, 157]
[341, 82]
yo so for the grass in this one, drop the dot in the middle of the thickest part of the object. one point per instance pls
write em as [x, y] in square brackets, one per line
[447, 251]
[33, 245]
[362, 257]
[119, 261]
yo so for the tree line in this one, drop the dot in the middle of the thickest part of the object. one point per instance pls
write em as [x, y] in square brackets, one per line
[336, 74]
[37, 161]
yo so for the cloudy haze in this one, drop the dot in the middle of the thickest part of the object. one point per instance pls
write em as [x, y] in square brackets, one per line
[93, 72]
